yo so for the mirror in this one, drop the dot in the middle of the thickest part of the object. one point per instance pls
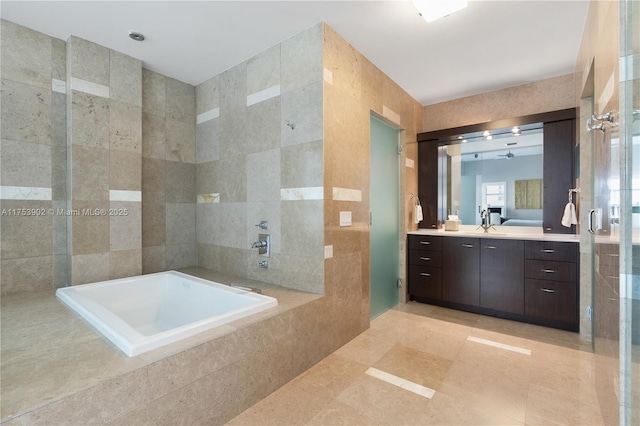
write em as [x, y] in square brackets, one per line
[493, 175]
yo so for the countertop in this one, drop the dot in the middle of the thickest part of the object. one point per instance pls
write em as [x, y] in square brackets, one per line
[512, 233]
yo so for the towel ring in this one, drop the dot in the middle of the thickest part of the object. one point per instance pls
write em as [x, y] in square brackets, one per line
[571, 191]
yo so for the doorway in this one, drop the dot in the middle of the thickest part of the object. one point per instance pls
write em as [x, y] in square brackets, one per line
[384, 217]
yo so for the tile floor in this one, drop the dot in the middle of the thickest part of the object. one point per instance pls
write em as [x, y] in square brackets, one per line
[421, 365]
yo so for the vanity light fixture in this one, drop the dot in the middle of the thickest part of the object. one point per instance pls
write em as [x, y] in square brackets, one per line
[431, 10]
[134, 35]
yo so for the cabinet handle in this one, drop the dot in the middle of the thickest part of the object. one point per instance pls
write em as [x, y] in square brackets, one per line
[425, 243]
[467, 245]
[490, 247]
[548, 251]
[425, 258]
[424, 274]
[547, 290]
[548, 271]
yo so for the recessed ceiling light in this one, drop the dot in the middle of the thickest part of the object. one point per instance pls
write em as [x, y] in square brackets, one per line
[431, 10]
[516, 131]
[136, 36]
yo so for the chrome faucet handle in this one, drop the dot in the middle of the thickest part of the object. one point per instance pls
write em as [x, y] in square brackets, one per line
[259, 244]
[263, 224]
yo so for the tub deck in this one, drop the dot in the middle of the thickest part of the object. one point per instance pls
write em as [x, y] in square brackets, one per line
[49, 353]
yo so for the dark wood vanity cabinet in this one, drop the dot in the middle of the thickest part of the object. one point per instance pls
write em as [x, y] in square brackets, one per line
[524, 280]
[425, 267]
[461, 271]
[551, 282]
[502, 275]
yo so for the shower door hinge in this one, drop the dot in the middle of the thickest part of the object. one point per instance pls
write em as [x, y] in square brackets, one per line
[399, 150]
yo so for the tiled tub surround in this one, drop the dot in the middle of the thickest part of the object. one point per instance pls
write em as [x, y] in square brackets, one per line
[139, 314]
[56, 369]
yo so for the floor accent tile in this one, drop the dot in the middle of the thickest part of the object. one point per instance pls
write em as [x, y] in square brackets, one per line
[401, 383]
[499, 345]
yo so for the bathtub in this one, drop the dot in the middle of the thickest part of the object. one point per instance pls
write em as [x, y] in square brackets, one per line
[142, 313]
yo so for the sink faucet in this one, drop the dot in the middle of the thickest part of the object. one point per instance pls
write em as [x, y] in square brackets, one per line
[486, 222]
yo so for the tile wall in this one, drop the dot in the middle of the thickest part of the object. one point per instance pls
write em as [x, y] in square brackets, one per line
[33, 254]
[251, 166]
[168, 173]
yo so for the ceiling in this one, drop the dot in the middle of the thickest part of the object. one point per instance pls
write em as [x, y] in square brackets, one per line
[489, 45]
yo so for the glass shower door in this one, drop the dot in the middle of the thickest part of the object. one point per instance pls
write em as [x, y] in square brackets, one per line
[630, 212]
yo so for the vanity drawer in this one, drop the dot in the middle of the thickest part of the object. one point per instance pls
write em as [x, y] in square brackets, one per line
[551, 300]
[425, 258]
[425, 242]
[425, 282]
[551, 271]
[551, 250]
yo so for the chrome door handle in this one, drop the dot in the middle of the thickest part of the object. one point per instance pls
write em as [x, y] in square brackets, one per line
[591, 213]
[424, 274]
[425, 258]
[547, 290]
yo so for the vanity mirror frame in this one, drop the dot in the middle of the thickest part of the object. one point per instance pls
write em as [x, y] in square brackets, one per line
[559, 141]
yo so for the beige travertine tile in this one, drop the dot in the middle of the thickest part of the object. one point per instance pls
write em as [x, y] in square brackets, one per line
[365, 349]
[343, 61]
[445, 410]
[125, 127]
[26, 112]
[180, 100]
[27, 274]
[89, 268]
[180, 223]
[26, 236]
[90, 231]
[180, 255]
[27, 164]
[153, 181]
[89, 120]
[180, 182]
[153, 93]
[208, 141]
[207, 95]
[153, 224]
[26, 55]
[125, 171]
[88, 61]
[304, 107]
[180, 140]
[301, 59]
[562, 406]
[153, 259]
[125, 263]
[90, 173]
[125, 75]
[263, 70]
[387, 403]
[337, 413]
[418, 367]
[263, 130]
[153, 136]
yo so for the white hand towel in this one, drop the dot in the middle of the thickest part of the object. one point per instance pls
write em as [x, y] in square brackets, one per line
[417, 217]
[569, 217]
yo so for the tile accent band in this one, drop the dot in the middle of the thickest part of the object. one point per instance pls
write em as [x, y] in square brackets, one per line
[25, 193]
[390, 114]
[263, 95]
[118, 195]
[346, 194]
[209, 198]
[401, 383]
[299, 194]
[89, 87]
[499, 345]
[208, 115]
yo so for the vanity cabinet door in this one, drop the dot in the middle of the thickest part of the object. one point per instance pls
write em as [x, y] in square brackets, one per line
[558, 174]
[461, 271]
[425, 282]
[502, 275]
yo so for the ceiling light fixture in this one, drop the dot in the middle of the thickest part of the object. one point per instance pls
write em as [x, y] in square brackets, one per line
[516, 131]
[133, 35]
[487, 135]
[431, 10]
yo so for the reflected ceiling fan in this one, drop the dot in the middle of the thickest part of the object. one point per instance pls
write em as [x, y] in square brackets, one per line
[508, 155]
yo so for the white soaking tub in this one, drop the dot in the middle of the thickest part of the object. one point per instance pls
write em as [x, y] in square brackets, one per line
[142, 313]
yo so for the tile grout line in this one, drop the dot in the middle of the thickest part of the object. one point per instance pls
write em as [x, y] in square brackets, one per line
[499, 345]
[401, 383]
